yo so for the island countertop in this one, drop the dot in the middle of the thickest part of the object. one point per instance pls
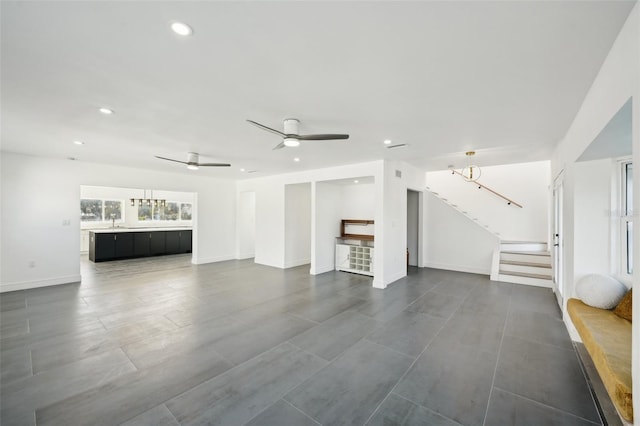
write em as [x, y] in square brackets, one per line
[113, 230]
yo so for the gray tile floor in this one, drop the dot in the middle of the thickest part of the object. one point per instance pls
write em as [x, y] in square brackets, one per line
[163, 342]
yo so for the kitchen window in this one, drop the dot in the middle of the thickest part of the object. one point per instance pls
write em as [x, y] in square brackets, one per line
[100, 210]
[172, 211]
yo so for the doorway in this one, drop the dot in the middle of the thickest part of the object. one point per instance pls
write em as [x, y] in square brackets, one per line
[413, 227]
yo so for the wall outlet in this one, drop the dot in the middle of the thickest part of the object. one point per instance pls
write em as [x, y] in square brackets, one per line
[66, 222]
[32, 264]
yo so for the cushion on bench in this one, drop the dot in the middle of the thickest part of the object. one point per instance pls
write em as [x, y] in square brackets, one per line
[607, 338]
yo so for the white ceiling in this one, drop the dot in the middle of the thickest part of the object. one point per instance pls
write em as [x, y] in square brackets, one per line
[503, 78]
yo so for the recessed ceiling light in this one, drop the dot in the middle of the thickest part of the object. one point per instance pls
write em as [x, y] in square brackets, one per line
[106, 111]
[181, 29]
[387, 142]
[78, 142]
[242, 170]
[296, 159]
[356, 181]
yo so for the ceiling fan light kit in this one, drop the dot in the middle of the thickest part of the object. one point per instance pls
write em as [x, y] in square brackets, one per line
[291, 137]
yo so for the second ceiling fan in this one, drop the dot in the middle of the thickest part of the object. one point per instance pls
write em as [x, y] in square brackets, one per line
[291, 137]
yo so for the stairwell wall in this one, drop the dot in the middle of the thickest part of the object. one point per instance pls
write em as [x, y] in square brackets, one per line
[525, 183]
[454, 242]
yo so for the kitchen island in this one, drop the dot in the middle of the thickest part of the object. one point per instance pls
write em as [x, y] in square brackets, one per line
[127, 243]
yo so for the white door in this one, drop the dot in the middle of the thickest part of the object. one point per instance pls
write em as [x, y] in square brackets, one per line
[557, 239]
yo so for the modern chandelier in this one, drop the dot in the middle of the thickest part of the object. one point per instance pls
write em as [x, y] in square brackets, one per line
[144, 201]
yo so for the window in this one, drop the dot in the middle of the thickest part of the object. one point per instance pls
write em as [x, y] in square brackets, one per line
[144, 213]
[169, 212]
[627, 217]
[113, 210]
[95, 210]
[90, 210]
[185, 211]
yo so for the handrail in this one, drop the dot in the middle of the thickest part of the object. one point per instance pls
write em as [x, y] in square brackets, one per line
[508, 200]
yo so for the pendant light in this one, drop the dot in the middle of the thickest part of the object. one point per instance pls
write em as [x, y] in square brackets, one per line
[148, 201]
[471, 173]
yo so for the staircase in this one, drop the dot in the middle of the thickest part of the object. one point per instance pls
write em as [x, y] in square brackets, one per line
[523, 262]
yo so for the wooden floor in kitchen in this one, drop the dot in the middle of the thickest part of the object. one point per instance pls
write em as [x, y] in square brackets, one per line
[161, 341]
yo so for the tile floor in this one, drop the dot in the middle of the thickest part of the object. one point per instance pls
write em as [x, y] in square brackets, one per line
[163, 342]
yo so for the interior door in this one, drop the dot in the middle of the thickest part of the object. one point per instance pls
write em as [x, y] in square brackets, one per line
[557, 240]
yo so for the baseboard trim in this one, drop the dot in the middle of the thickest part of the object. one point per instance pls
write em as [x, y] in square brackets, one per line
[297, 262]
[203, 260]
[25, 285]
[458, 268]
[321, 269]
[245, 256]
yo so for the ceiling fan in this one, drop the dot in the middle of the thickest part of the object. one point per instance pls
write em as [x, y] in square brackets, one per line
[290, 136]
[192, 162]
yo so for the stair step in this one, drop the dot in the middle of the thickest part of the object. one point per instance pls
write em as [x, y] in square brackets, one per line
[521, 242]
[529, 253]
[509, 268]
[526, 274]
[520, 263]
[522, 246]
[537, 282]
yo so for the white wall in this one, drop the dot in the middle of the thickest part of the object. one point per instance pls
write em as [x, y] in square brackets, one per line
[617, 81]
[246, 226]
[594, 218]
[455, 242]
[270, 206]
[390, 215]
[525, 183]
[326, 216]
[41, 222]
[358, 201]
[394, 217]
[297, 224]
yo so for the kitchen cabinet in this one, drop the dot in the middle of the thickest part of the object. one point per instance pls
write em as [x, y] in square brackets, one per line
[172, 242]
[123, 244]
[157, 243]
[141, 246]
[178, 242]
[185, 241]
[101, 247]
